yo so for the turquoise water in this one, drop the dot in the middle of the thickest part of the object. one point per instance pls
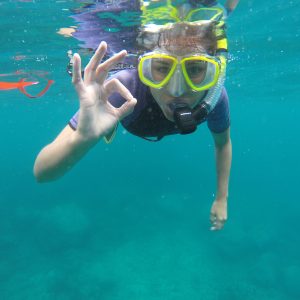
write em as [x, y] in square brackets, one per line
[130, 221]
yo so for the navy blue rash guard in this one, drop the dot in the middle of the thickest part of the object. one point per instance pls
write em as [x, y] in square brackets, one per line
[147, 120]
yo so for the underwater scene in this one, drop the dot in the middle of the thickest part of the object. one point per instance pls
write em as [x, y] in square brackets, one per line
[131, 219]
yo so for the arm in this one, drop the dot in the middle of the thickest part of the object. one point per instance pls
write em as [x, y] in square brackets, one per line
[223, 150]
[61, 155]
[97, 117]
[230, 5]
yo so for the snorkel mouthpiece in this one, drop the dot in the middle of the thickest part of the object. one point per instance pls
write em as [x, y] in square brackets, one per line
[187, 119]
[184, 119]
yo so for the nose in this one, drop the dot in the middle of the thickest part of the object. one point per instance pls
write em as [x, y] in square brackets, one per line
[177, 85]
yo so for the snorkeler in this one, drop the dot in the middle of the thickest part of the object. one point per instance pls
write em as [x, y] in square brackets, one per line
[177, 86]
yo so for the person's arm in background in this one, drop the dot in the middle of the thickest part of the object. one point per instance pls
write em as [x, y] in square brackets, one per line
[97, 117]
[230, 5]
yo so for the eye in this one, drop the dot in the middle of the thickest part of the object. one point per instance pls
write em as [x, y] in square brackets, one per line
[162, 69]
[162, 66]
[196, 68]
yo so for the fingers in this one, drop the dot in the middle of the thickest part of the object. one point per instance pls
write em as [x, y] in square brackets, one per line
[76, 77]
[94, 61]
[114, 85]
[95, 71]
[105, 67]
[216, 223]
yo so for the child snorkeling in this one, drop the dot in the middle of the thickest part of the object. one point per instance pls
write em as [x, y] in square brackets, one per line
[178, 84]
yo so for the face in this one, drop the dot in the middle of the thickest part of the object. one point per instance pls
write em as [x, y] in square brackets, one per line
[176, 90]
[181, 41]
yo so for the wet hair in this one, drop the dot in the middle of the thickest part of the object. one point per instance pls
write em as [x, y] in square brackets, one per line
[183, 36]
[198, 37]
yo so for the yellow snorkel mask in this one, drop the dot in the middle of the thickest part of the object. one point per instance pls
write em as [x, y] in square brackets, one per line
[200, 72]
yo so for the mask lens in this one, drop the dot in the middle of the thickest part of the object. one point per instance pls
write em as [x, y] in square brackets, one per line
[196, 70]
[201, 74]
[160, 68]
[156, 70]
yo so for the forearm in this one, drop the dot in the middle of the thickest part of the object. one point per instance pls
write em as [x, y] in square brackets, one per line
[223, 165]
[60, 156]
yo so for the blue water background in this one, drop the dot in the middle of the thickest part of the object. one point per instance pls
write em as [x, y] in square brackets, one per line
[130, 221]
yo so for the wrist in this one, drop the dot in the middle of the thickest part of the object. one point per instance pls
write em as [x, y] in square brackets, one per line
[221, 198]
[79, 140]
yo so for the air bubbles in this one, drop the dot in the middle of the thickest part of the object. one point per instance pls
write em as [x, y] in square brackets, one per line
[41, 58]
